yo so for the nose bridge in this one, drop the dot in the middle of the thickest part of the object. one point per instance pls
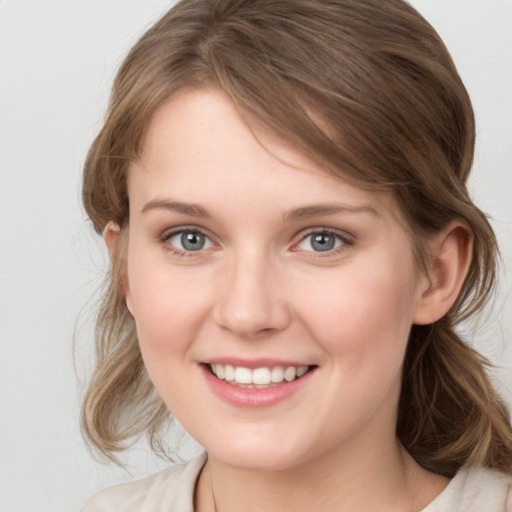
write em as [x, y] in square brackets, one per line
[250, 302]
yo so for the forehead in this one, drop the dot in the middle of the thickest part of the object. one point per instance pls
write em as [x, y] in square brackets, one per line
[198, 148]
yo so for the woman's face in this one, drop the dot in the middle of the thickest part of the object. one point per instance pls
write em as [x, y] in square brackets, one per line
[295, 288]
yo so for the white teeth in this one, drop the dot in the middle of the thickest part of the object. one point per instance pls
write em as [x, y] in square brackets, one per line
[259, 376]
[290, 373]
[277, 374]
[229, 372]
[219, 371]
[243, 375]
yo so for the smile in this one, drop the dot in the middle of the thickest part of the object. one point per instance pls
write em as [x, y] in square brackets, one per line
[258, 377]
[256, 384]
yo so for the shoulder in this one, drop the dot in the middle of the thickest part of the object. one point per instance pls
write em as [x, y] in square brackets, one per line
[170, 489]
[475, 490]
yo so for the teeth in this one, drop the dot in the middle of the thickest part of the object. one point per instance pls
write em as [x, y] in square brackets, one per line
[229, 372]
[290, 373]
[219, 371]
[243, 375]
[277, 374]
[301, 370]
[260, 376]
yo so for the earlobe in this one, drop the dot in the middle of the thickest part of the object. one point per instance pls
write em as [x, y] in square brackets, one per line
[451, 252]
[116, 246]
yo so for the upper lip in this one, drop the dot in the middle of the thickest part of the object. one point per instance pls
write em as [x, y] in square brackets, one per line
[254, 363]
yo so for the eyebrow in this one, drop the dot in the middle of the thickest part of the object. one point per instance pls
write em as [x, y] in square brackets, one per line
[301, 213]
[307, 212]
[191, 209]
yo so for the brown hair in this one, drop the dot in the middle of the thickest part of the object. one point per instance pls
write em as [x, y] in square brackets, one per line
[369, 91]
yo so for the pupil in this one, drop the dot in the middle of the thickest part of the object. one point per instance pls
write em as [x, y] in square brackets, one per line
[322, 242]
[192, 241]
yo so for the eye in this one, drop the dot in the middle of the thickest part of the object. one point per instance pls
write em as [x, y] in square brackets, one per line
[321, 241]
[189, 240]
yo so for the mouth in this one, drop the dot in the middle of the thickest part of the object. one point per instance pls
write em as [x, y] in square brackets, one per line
[258, 378]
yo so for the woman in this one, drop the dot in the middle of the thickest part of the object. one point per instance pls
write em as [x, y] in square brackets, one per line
[281, 187]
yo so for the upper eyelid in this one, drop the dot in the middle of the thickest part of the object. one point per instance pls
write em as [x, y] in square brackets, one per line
[343, 235]
[167, 233]
[347, 240]
[164, 239]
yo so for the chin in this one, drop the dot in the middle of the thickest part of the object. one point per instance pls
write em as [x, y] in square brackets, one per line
[251, 455]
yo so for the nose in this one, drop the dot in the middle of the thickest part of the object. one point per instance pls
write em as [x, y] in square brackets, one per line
[251, 303]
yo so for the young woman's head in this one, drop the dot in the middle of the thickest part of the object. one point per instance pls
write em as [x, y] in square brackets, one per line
[283, 184]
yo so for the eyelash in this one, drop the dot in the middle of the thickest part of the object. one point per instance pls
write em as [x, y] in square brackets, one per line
[345, 239]
[165, 241]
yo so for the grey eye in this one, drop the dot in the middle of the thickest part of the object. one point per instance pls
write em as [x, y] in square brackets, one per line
[190, 241]
[320, 242]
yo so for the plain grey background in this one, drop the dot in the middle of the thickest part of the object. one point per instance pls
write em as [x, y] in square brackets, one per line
[58, 58]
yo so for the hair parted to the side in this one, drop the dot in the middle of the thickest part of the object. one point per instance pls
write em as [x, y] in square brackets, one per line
[367, 90]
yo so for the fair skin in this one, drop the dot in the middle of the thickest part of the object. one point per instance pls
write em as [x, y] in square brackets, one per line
[236, 257]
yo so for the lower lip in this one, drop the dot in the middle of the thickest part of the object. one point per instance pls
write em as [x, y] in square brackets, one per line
[253, 398]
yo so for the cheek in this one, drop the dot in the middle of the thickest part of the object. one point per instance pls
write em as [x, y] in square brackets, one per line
[168, 315]
[169, 308]
[363, 314]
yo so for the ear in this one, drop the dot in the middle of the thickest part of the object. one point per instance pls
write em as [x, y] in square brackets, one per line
[111, 237]
[115, 243]
[450, 252]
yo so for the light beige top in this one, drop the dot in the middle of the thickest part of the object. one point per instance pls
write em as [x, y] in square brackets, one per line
[172, 490]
